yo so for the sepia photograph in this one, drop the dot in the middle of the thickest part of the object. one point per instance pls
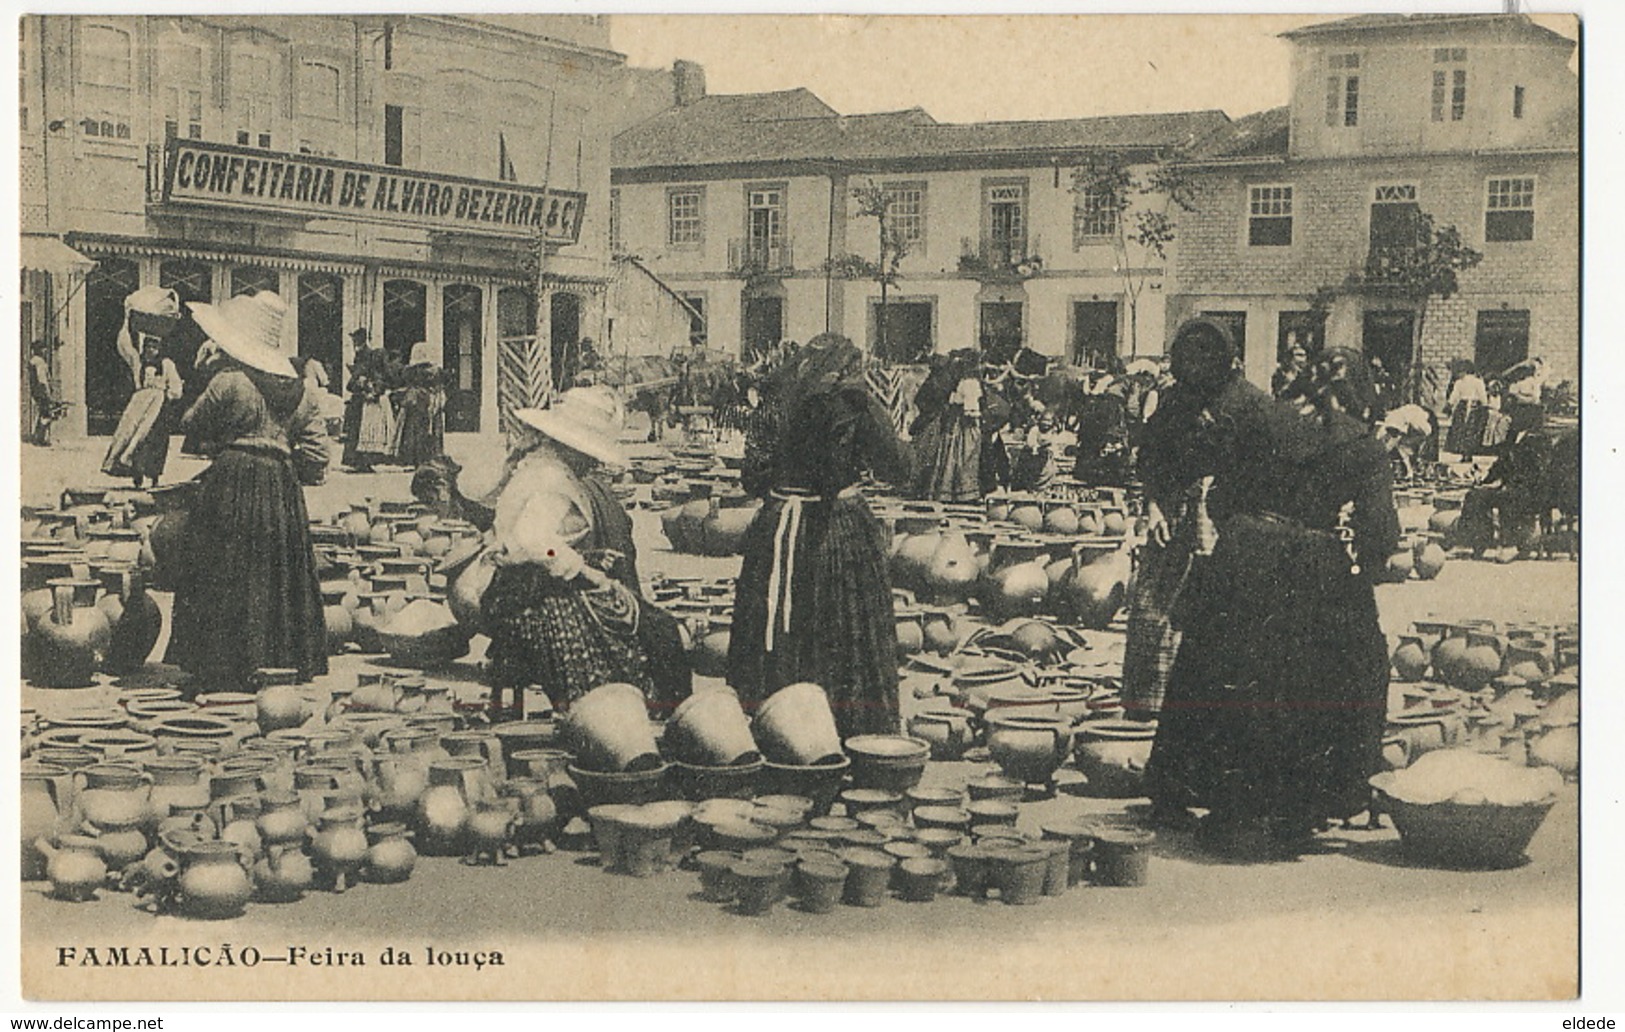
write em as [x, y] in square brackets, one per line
[794, 507]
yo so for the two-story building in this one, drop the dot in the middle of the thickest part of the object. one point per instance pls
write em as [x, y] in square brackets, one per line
[1472, 119]
[392, 173]
[747, 205]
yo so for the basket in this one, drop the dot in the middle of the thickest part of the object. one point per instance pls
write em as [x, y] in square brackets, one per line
[1461, 834]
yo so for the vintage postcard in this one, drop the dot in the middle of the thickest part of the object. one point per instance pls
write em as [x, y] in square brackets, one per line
[539, 507]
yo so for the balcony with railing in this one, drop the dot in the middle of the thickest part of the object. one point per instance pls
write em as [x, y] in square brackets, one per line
[1001, 258]
[754, 256]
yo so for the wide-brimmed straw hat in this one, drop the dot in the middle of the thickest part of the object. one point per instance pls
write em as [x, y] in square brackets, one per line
[248, 328]
[585, 419]
[424, 353]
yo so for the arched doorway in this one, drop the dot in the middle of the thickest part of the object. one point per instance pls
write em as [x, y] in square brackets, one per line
[108, 384]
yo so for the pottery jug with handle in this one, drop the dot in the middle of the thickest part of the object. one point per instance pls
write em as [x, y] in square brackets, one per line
[70, 641]
[43, 809]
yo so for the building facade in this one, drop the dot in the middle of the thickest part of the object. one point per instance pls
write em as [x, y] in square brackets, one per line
[1470, 119]
[387, 173]
[747, 205]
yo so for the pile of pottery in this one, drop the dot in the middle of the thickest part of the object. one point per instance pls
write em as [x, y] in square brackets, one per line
[703, 608]
[86, 571]
[914, 846]
[398, 579]
[1017, 556]
[1511, 690]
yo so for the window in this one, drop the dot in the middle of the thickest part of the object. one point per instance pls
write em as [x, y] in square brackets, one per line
[1450, 84]
[393, 133]
[1517, 102]
[1094, 215]
[461, 344]
[256, 78]
[764, 218]
[1393, 213]
[105, 76]
[1509, 210]
[248, 279]
[389, 46]
[685, 220]
[1343, 89]
[320, 104]
[906, 213]
[183, 96]
[617, 245]
[696, 319]
[1269, 216]
[1004, 223]
[22, 74]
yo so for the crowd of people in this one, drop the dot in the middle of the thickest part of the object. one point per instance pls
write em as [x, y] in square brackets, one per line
[1253, 637]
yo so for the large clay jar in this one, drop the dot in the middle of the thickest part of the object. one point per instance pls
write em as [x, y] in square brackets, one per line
[1410, 659]
[724, 527]
[390, 855]
[279, 706]
[455, 785]
[710, 729]
[938, 628]
[1448, 653]
[70, 641]
[121, 847]
[337, 618]
[1428, 557]
[947, 729]
[1112, 754]
[1480, 663]
[214, 881]
[796, 726]
[176, 781]
[608, 730]
[113, 795]
[1028, 747]
[44, 800]
[74, 866]
[357, 523]
[339, 847]
[1018, 589]
[913, 558]
[283, 874]
[136, 627]
[168, 538]
[952, 569]
[1097, 586]
[282, 820]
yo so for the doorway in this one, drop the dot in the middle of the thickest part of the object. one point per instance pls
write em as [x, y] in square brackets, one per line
[321, 325]
[108, 384]
[1305, 329]
[1000, 333]
[1236, 323]
[1094, 333]
[1501, 340]
[908, 331]
[764, 322]
[1386, 335]
[461, 344]
[406, 317]
[565, 316]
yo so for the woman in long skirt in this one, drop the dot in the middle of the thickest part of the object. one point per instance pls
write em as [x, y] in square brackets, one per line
[420, 421]
[813, 599]
[249, 596]
[557, 609]
[369, 416]
[1278, 695]
[949, 432]
[139, 448]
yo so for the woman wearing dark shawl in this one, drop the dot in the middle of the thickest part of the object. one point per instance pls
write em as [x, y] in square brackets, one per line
[1277, 698]
[813, 600]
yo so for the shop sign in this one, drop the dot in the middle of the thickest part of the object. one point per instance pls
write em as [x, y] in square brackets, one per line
[224, 176]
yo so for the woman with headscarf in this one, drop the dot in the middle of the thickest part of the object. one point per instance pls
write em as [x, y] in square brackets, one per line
[563, 608]
[420, 423]
[139, 448]
[1278, 695]
[249, 596]
[813, 599]
[948, 431]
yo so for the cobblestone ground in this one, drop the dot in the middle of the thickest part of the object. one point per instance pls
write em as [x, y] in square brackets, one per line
[1354, 917]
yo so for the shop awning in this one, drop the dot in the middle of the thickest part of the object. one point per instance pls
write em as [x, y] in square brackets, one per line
[48, 254]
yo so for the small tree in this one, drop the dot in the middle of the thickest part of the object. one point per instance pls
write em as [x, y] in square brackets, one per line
[873, 202]
[1142, 208]
[1421, 261]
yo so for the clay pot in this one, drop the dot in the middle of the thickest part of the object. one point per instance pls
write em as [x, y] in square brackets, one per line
[709, 655]
[1428, 558]
[284, 874]
[490, 829]
[339, 847]
[1028, 515]
[1097, 587]
[282, 820]
[952, 569]
[69, 642]
[724, 527]
[868, 877]
[919, 879]
[796, 727]
[1028, 747]
[468, 590]
[710, 729]
[1448, 653]
[214, 881]
[1558, 748]
[716, 874]
[1112, 754]
[482, 745]
[1080, 842]
[45, 801]
[973, 869]
[1019, 874]
[946, 729]
[1401, 564]
[646, 841]
[1479, 664]
[893, 763]
[910, 634]
[134, 619]
[940, 635]
[608, 729]
[1122, 856]
[113, 795]
[1018, 589]
[176, 781]
[538, 815]
[1410, 658]
[74, 867]
[1062, 519]
[455, 786]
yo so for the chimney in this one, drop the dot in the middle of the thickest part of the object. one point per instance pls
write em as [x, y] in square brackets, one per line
[688, 82]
